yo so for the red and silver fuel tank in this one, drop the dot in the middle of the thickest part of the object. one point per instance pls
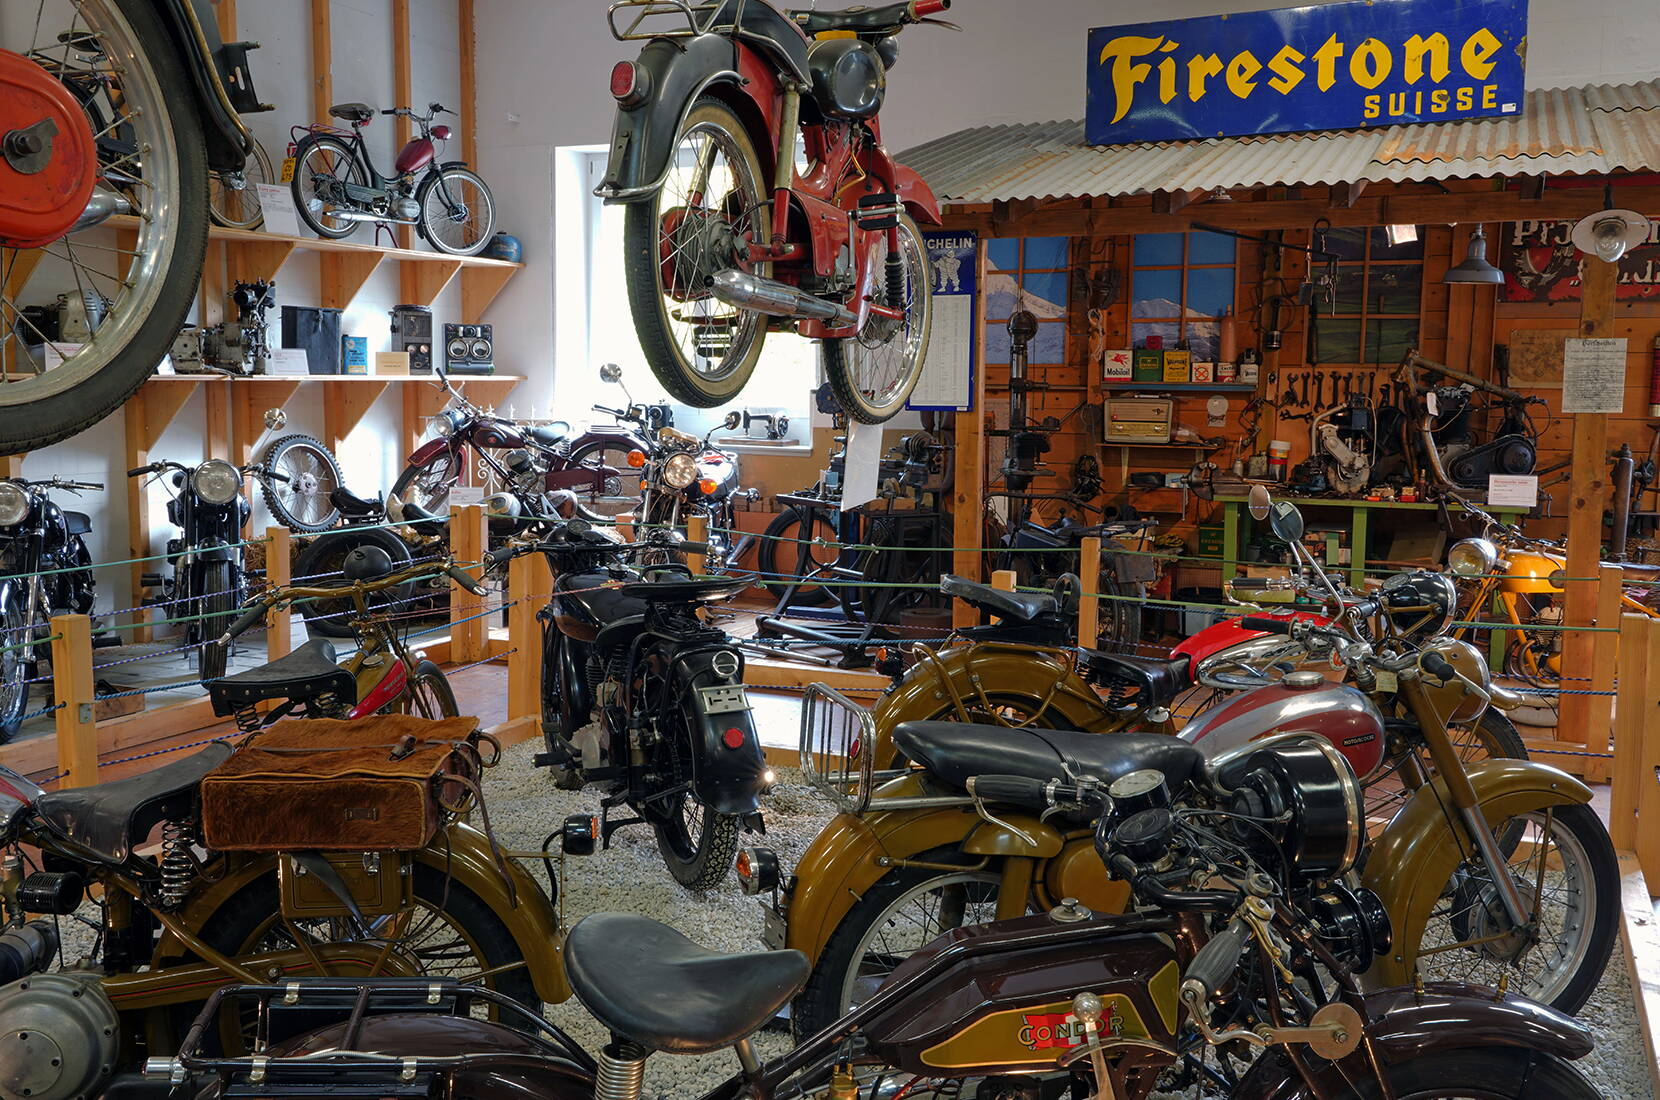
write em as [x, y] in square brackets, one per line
[1302, 702]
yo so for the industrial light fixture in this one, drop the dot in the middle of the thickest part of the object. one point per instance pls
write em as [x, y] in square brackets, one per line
[1611, 233]
[1475, 270]
[1400, 234]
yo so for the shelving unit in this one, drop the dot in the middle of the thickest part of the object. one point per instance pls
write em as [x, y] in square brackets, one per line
[1179, 387]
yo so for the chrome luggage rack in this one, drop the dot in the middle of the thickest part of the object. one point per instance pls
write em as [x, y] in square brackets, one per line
[837, 753]
[650, 9]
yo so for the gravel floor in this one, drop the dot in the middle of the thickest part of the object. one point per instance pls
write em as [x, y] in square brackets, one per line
[525, 805]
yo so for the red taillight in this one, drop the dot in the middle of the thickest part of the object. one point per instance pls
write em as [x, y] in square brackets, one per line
[629, 83]
[733, 738]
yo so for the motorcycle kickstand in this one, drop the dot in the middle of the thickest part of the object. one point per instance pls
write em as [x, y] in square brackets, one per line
[607, 826]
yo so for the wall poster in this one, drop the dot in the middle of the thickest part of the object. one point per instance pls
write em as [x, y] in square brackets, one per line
[947, 380]
[1593, 375]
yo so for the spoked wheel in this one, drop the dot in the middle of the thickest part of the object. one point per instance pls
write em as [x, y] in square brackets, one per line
[107, 77]
[14, 665]
[710, 208]
[217, 603]
[323, 166]
[233, 198]
[874, 373]
[427, 486]
[697, 843]
[1120, 615]
[615, 488]
[903, 574]
[778, 555]
[302, 474]
[430, 694]
[1565, 871]
[458, 213]
[1492, 736]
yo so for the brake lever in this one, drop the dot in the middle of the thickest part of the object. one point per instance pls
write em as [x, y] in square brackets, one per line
[987, 815]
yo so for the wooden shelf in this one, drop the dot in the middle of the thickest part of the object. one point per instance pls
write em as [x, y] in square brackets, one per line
[1166, 446]
[1179, 387]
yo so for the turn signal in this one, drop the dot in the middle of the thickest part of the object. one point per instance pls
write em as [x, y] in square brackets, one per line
[630, 84]
[707, 486]
[757, 870]
[636, 459]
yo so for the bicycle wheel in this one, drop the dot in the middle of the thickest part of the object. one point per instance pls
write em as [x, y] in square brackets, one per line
[233, 200]
[323, 166]
[117, 61]
[458, 213]
[874, 372]
[296, 477]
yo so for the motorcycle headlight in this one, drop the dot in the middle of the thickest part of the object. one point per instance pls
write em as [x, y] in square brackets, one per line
[1472, 557]
[446, 423]
[679, 471]
[14, 504]
[216, 481]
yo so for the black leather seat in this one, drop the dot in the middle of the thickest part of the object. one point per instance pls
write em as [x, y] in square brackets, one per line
[307, 673]
[427, 523]
[1157, 681]
[954, 752]
[855, 19]
[77, 523]
[686, 589]
[767, 27]
[646, 982]
[543, 435]
[353, 506]
[600, 605]
[1020, 607]
[109, 818]
[352, 112]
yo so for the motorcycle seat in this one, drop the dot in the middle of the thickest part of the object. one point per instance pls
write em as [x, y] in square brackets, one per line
[686, 590]
[352, 112]
[544, 435]
[648, 983]
[349, 504]
[306, 674]
[1157, 681]
[109, 818]
[954, 752]
[76, 523]
[854, 19]
[423, 521]
[604, 605]
[1020, 607]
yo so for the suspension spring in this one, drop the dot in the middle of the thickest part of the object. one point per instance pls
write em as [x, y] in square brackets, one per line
[178, 866]
[622, 1072]
[896, 279]
[248, 719]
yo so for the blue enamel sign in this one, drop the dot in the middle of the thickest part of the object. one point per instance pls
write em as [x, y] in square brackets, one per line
[1332, 67]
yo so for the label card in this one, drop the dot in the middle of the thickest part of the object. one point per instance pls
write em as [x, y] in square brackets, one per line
[276, 202]
[1522, 492]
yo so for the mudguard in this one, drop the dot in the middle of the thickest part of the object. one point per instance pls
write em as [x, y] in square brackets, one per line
[214, 550]
[431, 449]
[1418, 851]
[917, 196]
[464, 854]
[195, 34]
[1406, 1024]
[729, 766]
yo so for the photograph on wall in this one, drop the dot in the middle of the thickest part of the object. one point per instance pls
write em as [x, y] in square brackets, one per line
[1541, 264]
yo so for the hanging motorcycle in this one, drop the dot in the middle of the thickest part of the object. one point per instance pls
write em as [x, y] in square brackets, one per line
[717, 244]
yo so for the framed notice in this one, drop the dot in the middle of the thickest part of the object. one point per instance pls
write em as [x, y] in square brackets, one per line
[1593, 375]
[947, 379]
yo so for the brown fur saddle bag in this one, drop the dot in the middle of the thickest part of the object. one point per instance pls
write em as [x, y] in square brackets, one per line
[385, 783]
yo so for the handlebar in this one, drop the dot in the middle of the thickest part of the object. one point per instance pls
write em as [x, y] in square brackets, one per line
[464, 579]
[1218, 959]
[922, 8]
[254, 613]
[1438, 666]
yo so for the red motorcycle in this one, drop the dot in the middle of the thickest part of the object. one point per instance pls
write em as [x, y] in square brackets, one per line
[726, 237]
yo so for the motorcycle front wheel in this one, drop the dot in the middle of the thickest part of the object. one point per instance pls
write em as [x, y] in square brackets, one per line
[321, 163]
[14, 666]
[458, 213]
[233, 200]
[430, 694]
[428, 485]
[873, 373]
[302, 474]
[217, 604]
[138, 274]
[711, 204]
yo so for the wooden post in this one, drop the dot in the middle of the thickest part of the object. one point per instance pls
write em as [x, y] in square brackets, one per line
[322, 62]
[529, 584]
[467, 42]
[1605, 651]
[968, 494]
[1003, 580]
[469, 638]
[279, 559]
[1089, 601]
[1635, 705]
[1587, 495]
[697, 530]
[73, 678]
[402, 89]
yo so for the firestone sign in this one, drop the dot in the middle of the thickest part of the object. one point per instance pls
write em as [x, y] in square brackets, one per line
[1328, 67]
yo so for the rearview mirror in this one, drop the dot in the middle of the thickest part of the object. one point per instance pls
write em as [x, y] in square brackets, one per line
[733, 419]
[1260, 500]
[1286, 521]
[610, 372]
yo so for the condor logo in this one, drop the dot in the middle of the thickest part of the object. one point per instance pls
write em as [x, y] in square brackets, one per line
[1047, 1030]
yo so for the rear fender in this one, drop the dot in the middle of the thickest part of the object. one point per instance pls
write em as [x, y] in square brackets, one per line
[195, 34]
[730, 767]
[1419, 850]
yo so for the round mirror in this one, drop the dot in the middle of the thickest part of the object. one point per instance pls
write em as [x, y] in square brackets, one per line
[610, 372]
[733, 419]
[1286, 522]
[275, 420]
[1260, 500]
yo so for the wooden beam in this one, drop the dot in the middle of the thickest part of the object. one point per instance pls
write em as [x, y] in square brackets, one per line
[1171, 202]
[345, 404]
[968, 492]
[479, 287]
[224, 13]
[423, 280]
[73, 682]
[1631, 719]
[250, 261]
[402, 88]
[279, 571]
[322, 62]
[1349, 193]
[466, 41]
[343, 274]
[1642, 958]
[1588, 493]
[529, 584]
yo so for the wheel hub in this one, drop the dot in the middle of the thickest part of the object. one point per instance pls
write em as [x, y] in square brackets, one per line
[1481, 917]
[696, 243]
[48, 160]
[305, 484]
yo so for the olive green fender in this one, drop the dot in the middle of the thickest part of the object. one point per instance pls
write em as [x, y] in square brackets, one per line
[851, 854]
[462, 852]
[1419, 850]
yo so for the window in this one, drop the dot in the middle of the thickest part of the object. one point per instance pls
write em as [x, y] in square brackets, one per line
[1377, 300]
[1181, 285]
[1029, 273]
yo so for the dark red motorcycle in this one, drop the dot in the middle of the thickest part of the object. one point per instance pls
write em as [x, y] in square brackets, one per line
[749, 154]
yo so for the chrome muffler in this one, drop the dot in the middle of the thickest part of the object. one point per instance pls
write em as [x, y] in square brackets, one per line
[776, 299]
[101, 206]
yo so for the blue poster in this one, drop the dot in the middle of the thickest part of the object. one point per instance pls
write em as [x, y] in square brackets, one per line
[947, 379]
[1333, 67]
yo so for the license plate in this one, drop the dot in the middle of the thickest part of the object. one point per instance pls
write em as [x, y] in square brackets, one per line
[773, 926]
[724, 699]
[287, 170]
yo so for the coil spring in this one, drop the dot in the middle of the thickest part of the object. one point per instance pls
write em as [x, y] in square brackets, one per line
[248, 719]
[178, 867]
[620, 1078]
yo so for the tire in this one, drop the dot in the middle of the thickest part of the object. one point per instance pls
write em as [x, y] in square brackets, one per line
[436, 196]
[643, 272]
[903, 560]
[618, 495]
[429, 483]
[1121, 618]
[335, 158]
[834, 986]
[146, 313]
[232, 200]
[430, 694]
[560, 718]
[217, 603]
[1582, 857]
[1493, 736]
[700, 850]
[851, 365]
[320, 563]
[302, 502]
[15, 664]
[1481, 1073]
[777, 556]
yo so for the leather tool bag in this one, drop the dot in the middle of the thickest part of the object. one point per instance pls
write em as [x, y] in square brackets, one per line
[385, 783]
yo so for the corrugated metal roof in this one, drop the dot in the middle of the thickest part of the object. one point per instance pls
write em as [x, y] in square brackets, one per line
[1599, 128]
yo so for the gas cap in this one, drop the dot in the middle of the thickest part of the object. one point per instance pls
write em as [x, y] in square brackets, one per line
[1302, 681]
[1070, 911]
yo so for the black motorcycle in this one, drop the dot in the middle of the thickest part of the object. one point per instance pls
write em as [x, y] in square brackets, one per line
[684, 476]
[209, 581]
[675, 740]
[45, 570]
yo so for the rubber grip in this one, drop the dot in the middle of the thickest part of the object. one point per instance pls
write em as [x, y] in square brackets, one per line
[464, 579]
[502, 554]
[1267, 626]
[920, 8]
[1250, 583]
[1366, 608]
[252, 615]
[1016, 790]
[139, 471]
[1217, 960]
[1437, 666]
[692, 547]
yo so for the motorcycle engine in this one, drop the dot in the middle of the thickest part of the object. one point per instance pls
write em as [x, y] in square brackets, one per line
[57, 1038]
[1508, 454]
[406, 209]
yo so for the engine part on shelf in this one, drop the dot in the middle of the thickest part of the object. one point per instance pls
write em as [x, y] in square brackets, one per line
[1342, 443]
[60, 1037]
[70, 320]
[241, 347]
[469, 349]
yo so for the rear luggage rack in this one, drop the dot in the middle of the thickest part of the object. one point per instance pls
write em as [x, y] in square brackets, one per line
[650, 9]
[837, 752]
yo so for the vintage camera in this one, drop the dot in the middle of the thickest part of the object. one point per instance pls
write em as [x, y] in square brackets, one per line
[469, 349]
[412, 333]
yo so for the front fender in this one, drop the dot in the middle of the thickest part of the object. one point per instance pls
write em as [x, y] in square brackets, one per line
[917, 196]
[1419, 850]
[1406, 1024]
[643, 136]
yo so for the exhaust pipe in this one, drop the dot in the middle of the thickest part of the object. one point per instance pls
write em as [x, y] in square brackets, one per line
[776, 299]
[365, 216]
[101, 206]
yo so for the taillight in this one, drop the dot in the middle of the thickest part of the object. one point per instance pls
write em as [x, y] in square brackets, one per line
[757, 870]
[630, 84]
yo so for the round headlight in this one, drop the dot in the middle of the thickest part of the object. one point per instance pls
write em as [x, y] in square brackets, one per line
[1421, 605]
[14, 504]
[1472, 557]
[216, 481]
[1310, 792]
[445, 423]
[679, 471]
